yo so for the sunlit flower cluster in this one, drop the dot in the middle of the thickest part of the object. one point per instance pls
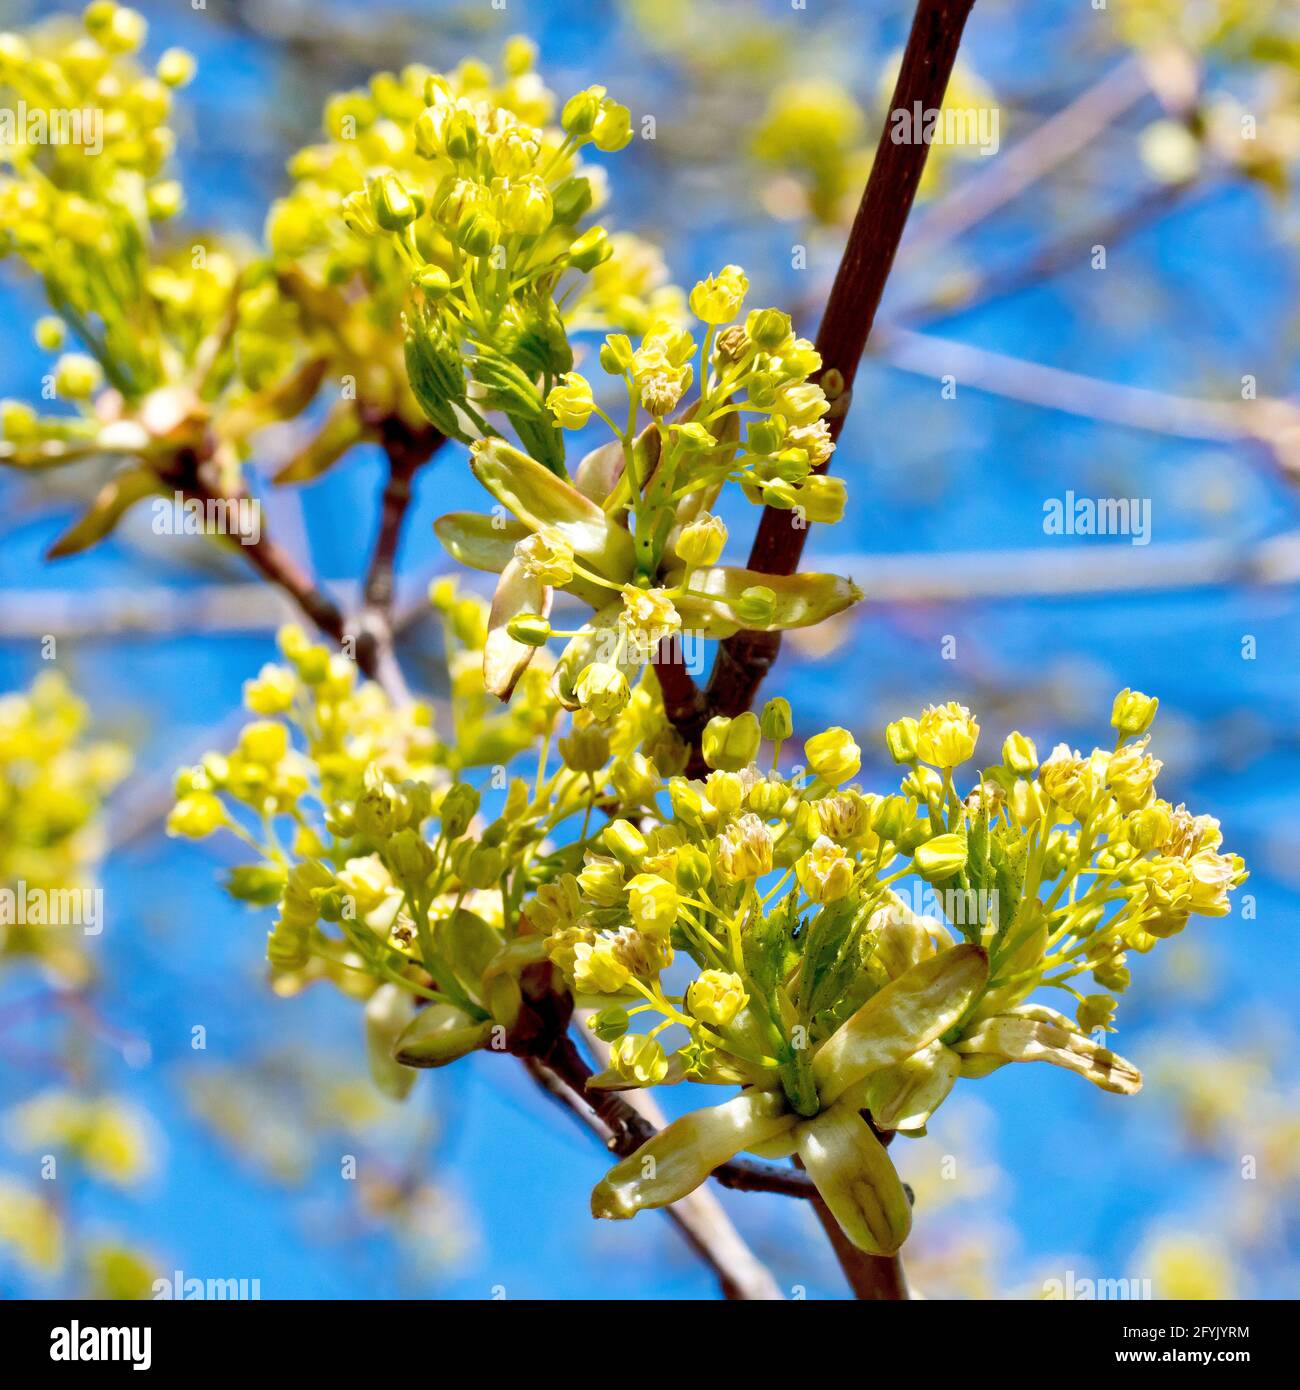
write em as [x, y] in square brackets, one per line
[52, 788]
[818, 140]
[631, 533]
[171, 352]
[770, 925]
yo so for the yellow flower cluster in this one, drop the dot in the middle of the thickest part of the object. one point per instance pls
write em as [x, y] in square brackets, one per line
[52, 788]
[851, 950]
[455, 199]
[631, 532]
[818, 140]
[178, 353]
[110, 1138]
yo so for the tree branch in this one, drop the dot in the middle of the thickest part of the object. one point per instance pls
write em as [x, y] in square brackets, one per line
[743, 660]
[407, 451]
[622, 1128]
[271, 560]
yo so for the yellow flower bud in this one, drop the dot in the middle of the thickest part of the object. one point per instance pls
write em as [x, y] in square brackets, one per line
[271, 692]
[625, 842]
[434, 281]
[581, 112]
[392, 205]
[526, 207]
[613, 128]
[597, 968]
[264, 742]
[825, 873]
[1149, 827]
[482, 866]
[602, 690]
[822, 499]
[693, 868]
[776, 723]
[591, 249]
[196, 816]
[715, 997]
[640, 1059]
[1133, 712]
[571, 401]
[834, 756]
[176, 68]
[635, 779]
[731, 744]
[530, 629]
[457, 809]
[586, 749]
[1068, 780]
[703, 541]
[77, 376]
[946, 735]
[50, 332]
[717, 299]
[652, 902]
[1020, 755]
[767, 329]
[900, 736]
[940, 857]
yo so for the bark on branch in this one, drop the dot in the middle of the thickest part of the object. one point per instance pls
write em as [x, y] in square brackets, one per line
[744, 660]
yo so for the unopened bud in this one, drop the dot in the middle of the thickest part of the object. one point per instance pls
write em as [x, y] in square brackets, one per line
[731, 744]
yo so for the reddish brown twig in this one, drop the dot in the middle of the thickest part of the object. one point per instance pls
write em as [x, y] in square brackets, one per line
[407, 451]
[542, 1040]
[744, 660]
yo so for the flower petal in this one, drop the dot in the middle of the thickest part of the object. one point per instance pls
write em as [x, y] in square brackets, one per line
[801, 599]
[908, 1014]
[439, 1034]
[389, 1010]
[1038, 1034]
[538, 498]
[679, 1158]
[599, 471]
[504, 659]
[905, 1095]
[479, 541]
[111, 503]
[856, 1179]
